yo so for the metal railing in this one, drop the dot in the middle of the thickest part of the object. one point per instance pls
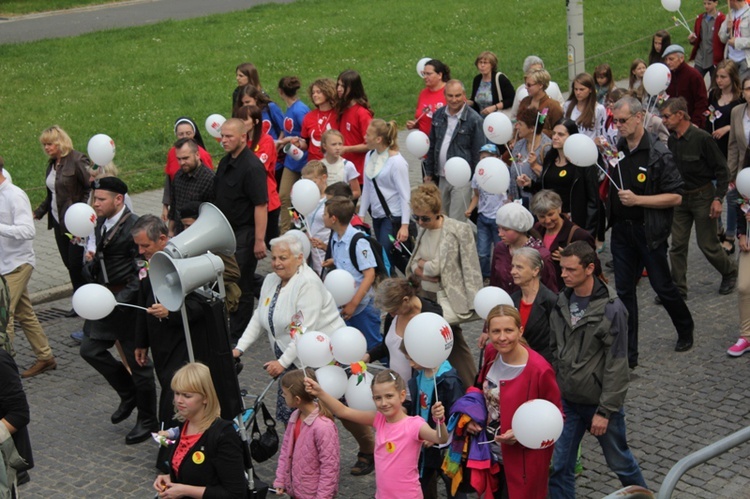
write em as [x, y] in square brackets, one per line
[699, 457]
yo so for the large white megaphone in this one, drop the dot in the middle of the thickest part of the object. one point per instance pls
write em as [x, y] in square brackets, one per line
[210, 232]
[173, 279]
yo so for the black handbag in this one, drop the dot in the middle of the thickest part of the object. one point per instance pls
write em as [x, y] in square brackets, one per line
[402, 251]
[263, 446]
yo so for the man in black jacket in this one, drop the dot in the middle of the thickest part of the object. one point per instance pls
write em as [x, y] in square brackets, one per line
[640, 208]
[114, 266]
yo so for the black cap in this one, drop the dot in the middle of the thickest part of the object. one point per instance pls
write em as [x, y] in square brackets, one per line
[112, 184]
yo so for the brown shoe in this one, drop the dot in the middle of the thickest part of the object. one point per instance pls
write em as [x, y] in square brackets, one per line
[39, 367]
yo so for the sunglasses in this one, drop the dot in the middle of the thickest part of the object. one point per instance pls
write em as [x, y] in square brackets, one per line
[421, 218]
[621, 121]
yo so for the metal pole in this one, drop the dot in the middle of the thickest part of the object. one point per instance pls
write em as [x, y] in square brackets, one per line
[188, 339]
[699, 457]
[576, 55]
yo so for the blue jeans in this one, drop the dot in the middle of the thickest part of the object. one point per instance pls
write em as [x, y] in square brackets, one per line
[487, 238]
[731, 230]
[630, 254]
[381, 229]
[562, 480]
[368, 323]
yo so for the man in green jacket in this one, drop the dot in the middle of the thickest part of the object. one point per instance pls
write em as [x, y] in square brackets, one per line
[589, 344]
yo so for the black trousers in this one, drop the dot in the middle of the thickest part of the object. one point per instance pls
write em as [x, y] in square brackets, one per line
[140, 384]
[246, 260]
[72, 256]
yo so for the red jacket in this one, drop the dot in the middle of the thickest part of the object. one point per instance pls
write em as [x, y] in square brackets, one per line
[717, 45]
[526, 470]
[687, 82]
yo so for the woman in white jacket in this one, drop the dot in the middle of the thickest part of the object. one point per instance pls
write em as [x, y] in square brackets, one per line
[292, 300]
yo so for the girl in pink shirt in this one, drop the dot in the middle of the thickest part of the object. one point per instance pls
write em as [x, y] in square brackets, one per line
[398, 437]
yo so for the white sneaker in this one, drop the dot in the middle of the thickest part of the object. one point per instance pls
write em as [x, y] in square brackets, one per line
[739, 348]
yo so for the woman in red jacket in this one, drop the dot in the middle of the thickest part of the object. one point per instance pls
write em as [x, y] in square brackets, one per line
[263, 146]
[515, 375]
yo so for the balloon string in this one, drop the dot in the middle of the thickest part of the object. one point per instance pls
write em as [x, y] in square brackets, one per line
[434, 380]
[132, 306]
[610, 178]
[512, 160]
[684, 22]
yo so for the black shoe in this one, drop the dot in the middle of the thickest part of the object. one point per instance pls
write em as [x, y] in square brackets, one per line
[364, 465]
[728, 283]
[684, 344]
[70, 314]
[125, 409]
[140, 433]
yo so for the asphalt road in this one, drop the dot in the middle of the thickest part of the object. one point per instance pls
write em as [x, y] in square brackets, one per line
[75, 22]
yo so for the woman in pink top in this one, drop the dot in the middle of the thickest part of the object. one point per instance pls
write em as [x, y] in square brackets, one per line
[354, 116]
[398, 437]
[432, 97]
[309, 458]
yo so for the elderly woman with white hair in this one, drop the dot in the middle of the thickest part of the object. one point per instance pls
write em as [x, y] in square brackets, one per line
[515, 226]
[292, 299]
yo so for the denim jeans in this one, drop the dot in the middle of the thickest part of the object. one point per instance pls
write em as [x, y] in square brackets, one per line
[487, 238]
[381, 229]
[630, 254]
[731, 229]
[368, 322]
[562, 481]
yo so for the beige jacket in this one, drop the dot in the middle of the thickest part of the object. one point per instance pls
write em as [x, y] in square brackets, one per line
[460, 276]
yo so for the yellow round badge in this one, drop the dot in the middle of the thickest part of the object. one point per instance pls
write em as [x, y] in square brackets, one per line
[198, 457]
[563, 173]
[641, 177]
[390, 447]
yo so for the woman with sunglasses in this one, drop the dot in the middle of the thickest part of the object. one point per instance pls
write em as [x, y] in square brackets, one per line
[537, 81]
[446, 259]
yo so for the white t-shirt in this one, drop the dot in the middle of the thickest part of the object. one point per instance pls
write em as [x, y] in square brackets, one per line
[341, 171]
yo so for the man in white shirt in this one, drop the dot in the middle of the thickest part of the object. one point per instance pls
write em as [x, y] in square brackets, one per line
[16, 265]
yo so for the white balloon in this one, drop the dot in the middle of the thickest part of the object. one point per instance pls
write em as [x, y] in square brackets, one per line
[359, 393]
[537, 424]
[80, 220]
[671, 5]
[213, 125]
[93, 302]
[421, 64]
[488, 298]
[305, 196]
[101, 149]
[457, 171]
[418, 143]
[656, 78]
[428, 339]
[743, 182]
[314, 349]
[348, 344]
[493, 176]
[498, 128]
[302, 239]
[342, 286]
[580, 150]
[332, 379]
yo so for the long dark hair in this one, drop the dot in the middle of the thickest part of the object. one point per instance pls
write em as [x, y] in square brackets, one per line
[440, 68]
[666, 41]
[354, 91]
[255, 114]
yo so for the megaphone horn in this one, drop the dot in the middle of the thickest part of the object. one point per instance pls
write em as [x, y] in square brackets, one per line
[210, 232]
[173, 279]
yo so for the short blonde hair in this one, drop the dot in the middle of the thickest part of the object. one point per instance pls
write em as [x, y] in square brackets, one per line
[58, 136]
[540, 76]
[196, 378]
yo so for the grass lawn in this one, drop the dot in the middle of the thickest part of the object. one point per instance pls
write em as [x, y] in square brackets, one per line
[132, 83]
[18, 7]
